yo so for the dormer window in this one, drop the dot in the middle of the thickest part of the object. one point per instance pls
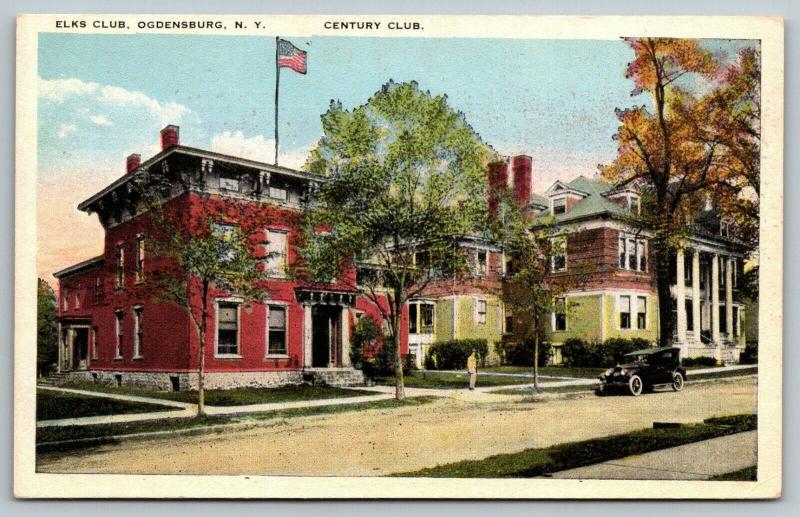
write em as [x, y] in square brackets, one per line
[559, 205]
[633, 204]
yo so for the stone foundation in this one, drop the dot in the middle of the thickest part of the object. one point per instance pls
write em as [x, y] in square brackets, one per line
[184, 381]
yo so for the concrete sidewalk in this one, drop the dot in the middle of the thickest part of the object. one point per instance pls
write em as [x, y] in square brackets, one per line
[188, 410]
[700, 460]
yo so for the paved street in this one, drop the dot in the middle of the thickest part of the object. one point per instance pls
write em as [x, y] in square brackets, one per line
[384, 441]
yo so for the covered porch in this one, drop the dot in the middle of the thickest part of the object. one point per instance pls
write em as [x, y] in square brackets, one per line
[76, 342]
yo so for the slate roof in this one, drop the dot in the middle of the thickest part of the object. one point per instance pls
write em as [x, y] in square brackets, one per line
[594, 204]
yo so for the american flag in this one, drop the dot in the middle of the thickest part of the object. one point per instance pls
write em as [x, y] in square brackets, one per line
[290, 56]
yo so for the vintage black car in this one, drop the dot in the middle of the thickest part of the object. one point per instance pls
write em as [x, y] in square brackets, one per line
[643, 370]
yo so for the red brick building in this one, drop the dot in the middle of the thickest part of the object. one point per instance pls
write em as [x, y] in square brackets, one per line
[112, 330]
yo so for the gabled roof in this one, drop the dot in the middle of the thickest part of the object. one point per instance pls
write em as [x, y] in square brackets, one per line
[593, 203]
[560, 187]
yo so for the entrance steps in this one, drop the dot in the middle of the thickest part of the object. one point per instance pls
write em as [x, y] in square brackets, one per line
[54, 379]
[334, 376]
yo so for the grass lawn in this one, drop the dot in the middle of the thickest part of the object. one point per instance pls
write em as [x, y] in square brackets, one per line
[538, 462]
[554, 371]
[448, 380]
[232, 397]
[52, 405]
[748, 474]
[44, 436]
[544, 389]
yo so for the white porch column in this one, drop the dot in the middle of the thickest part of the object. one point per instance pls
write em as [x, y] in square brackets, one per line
[715, 305]
[345, 338]
[729, 298]
[60, 340]
[696, 294]
[307, 336]
[680, 295]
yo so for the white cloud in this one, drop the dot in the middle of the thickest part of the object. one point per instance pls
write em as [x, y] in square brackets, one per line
[257, 148]
[66, 129]
[101, 120]
[58, 90]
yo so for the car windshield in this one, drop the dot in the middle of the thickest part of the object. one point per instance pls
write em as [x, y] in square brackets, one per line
[643, 359]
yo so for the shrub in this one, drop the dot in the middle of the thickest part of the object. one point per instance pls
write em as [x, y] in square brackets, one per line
[365, 336]
[613, 350]
[698, 361]
[452, 355]
[579, 353]
[750, 354]
[521, 353]
[381, 363]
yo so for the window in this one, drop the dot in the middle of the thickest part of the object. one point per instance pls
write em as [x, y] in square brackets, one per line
[689, 316]
[277, 251]
[641, 312]
[119, 266]
[65, 299]
[426, 318]
[93, 342]
[77, 299]
[687, 270]
[139, 258]
[632, 254]
[633, 204]
[277, 193]
[509, 323]
[138, 329]
[722, 264]
[558, 250]
[225, 234]
[625, 312]
[276, 344]
[420, 318]
[559, 205]
[480, 311]
[412, 318]
[118, 321]
[560, 315]
[229, 183]
[98, 287]
[482, 262]
[227, 328]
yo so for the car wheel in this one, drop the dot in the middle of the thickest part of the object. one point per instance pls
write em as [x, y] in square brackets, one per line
[677, 381]
[600, 391]
[636, 385]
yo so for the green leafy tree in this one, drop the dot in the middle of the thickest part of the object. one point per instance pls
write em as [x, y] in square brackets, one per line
[47, 329]
[199, 252]
[405, 176]
[530, 290]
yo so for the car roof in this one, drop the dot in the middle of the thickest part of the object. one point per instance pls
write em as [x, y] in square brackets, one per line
[649, 351]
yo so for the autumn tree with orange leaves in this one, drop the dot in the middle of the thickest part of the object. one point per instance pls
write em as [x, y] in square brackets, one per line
[683, 146]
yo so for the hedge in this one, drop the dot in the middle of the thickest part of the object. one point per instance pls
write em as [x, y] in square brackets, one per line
[699, 361]
[579, 353]
[452, 355]
[521, 353]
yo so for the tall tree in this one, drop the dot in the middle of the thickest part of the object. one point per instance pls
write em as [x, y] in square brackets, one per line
[405, 177]
[678, 149]
[200, 251]
[46, 327]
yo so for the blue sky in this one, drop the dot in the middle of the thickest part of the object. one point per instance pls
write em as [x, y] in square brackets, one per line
[102, 97]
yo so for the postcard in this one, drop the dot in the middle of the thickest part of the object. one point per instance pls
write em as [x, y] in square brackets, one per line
[490, 257]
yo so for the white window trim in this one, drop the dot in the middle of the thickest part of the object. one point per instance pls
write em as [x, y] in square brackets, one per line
[563, 240]
[139, 274]
[477, 313]
[285, 306]
[93, 338]
[238, 301]
[478, 271]
[553, 203]
[632, 298]
[553, 318]
[119, 281]
[65, 299]
[118, 329]
[626, 237]
[284, 266]
[137, 346]
[418, 303]
[646, 313]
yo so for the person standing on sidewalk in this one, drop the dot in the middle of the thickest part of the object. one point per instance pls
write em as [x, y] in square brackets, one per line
[472, 369]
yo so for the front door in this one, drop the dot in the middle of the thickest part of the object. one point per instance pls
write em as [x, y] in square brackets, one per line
[80, 348]
[325, 342]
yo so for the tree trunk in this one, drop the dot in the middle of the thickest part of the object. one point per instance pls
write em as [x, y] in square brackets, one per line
[201, 391]
[536, 362]
[666, 323]
[399, 389]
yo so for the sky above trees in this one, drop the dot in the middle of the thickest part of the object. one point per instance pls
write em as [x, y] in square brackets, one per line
[103, 97]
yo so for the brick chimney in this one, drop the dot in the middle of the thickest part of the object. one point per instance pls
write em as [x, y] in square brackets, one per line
[498, 182]
[521, 166]
[132, 162]
[170, 136]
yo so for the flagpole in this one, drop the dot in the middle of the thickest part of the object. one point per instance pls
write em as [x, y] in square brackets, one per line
[277, 84]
